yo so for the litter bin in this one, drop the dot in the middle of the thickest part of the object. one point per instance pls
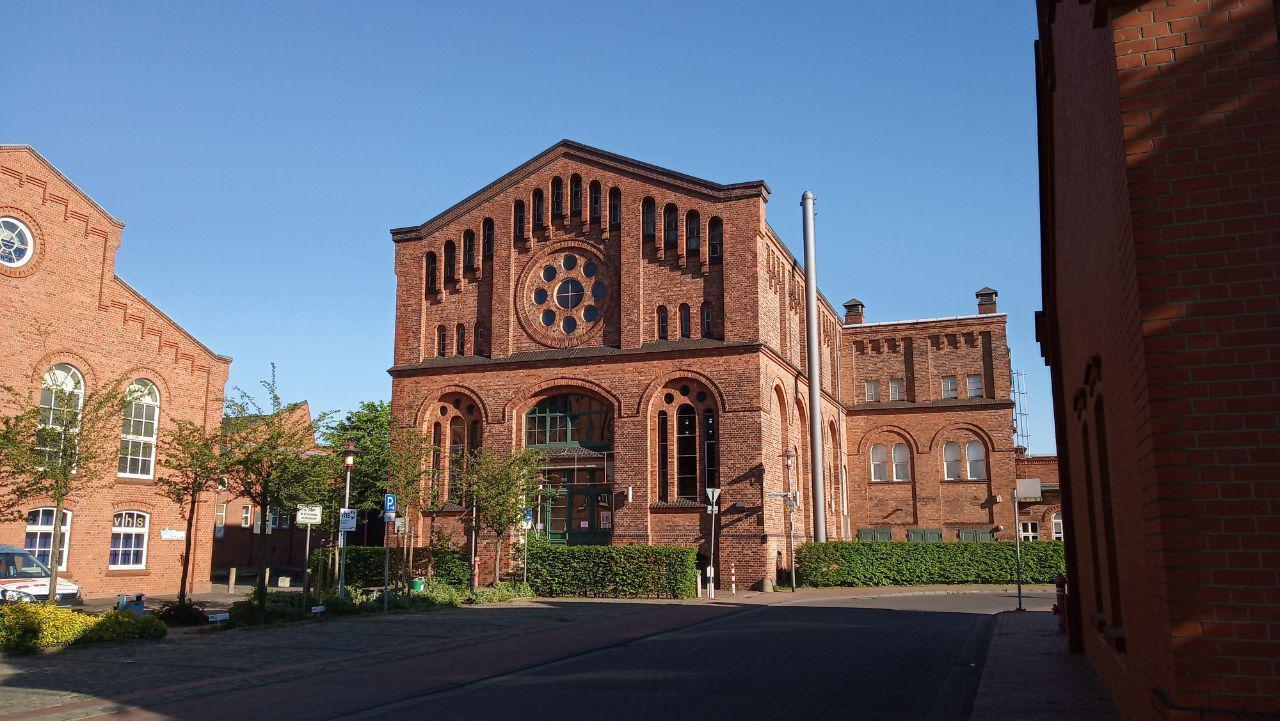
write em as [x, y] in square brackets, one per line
[418, 584]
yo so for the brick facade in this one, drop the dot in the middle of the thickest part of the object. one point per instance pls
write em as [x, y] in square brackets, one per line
[663, 325]
[1160, 206]
[65, 305]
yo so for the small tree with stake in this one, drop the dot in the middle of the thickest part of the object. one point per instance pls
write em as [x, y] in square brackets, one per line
[64, 445]
[409, 473]
[191, 456]
[500, 487]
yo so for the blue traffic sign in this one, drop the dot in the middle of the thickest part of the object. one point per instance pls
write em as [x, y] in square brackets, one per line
[389, 503]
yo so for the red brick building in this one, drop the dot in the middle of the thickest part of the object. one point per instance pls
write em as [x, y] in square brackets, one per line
[646, 329]
[1160, 206]
[70, 320]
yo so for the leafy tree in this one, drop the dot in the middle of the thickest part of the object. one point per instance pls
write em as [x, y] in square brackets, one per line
[369, 426]
[192, 457]
[62, 443]
[500, 487]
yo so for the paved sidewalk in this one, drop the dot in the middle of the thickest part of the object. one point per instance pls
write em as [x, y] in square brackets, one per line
[1029, 676]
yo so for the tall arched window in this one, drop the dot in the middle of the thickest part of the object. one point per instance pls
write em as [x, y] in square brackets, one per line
[517, 220]
[670, 226]
[442, 342]
[477, 339]
[662, 322]
[977, 460]
[474, 436]
[664, 460]
[436, 450]
[685, 331]
[457, 455]
[450, 262]
[901, 462]
[951, 460]
[469, 250]
[129, 540]
[39, 538]
[710, 451]
[570, 419]
[615, 209]
[460, 339]
[715, 240]
[693, 233]
[575, 196]
[649, 220]
[432, 284]
[594, 202]
[879, 463]
[138, 434]
[61, 400]
[557, 198]
[686, 453]
[708, 329]
[538, 209]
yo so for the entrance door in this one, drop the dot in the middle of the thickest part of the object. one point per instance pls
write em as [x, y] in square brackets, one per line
[581, 512]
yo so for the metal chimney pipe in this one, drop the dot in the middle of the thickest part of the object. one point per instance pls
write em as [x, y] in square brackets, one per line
[815, 373]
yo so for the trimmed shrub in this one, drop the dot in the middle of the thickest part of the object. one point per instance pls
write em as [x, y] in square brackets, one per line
[436, 592]
[364, 564]
[27, 627]
[897, 563]
[173, 613]
[613, 571]
[500, 592]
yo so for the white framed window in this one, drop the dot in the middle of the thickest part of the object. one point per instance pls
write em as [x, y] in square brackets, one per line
[949, 389]
[873, 391]
[138, 435]
[974, 388]
[39, 538]
[897, 389]
[977, 460]
[246, 516]
[1057, 526]
[129, 539]
[901, 462]
[1029, 531]
[17, 244]
[61, 400]
[879, 463]
[279, 519]
[220, 521]
[951, 464]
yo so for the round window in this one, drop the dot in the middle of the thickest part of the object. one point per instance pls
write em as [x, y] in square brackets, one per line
[569, 294]
[570, 324]
[599, 291]
[590, 269]
[570, 261]
[548, 317]
[549, 273]
[540, 296]
[590, 313]
[16, 244]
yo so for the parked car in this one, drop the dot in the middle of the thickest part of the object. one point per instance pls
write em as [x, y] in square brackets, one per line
[25, 579]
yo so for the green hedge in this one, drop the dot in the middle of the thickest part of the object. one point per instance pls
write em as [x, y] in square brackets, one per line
[613, 571]
[896, 563]
[364, 564]
[28, 627]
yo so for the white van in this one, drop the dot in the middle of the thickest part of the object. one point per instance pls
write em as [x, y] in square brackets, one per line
[25, 579]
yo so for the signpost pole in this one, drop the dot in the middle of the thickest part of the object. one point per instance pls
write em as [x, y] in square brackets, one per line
[306, 569]
[1017, 544]
[386, 559]
[791, 521]
[713, 495]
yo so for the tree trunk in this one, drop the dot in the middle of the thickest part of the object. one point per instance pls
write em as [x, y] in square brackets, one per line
[186, 554]
[497, 553]
[260, 586]
[55, 551]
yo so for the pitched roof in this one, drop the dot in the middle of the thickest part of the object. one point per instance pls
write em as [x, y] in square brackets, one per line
[565, 148]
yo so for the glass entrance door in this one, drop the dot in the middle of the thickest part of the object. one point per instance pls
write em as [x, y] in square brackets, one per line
[580, 509]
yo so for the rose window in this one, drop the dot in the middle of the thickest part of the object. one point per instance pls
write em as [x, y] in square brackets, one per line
[15, 243]
[567, 291]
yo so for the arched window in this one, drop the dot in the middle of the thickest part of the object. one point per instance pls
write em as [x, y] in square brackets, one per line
[570, 419]
[685, 331]
[686, 453]
[710, 451]
[901, 462]
[477, 340]
[129, 540]
[460, 339]
[879, 463]
[450, 262]
[708, 329]
[557, 198]
[693, 233]
[1057, 526]
[138, 434]
[486, 239]
[951, 460]
[662, 322]
[61, 400]
[649, 220]
[473, 437]
[615, 209]
[430, 262]
[442, 342]
[457, 454]
[715, 240]
[977, 460]
[670, 226]
[538, 209]
[39, 539]
[575, 196]
[436, 450]
[469, 250]
[594, 202]
[664, 460]
[517, 220]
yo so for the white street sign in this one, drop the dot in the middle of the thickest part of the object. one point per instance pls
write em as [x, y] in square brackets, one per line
[216, 617]
[400, 525]
[347, 519]
[713, 495]
[1029, 489]
[310, 515]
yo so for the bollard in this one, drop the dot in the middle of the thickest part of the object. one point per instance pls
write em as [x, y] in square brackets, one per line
[266, 576]
[231, 580]
[733, 579]
[699, 575]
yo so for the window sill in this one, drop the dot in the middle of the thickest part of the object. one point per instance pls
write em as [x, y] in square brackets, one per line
[135, 480]
[966, 480]
[890, 483]
[127, 572]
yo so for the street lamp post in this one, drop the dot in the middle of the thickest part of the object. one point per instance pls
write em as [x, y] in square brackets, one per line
[791, 519]
[349, 460]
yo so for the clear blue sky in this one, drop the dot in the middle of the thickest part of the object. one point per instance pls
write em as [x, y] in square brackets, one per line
[259, 152]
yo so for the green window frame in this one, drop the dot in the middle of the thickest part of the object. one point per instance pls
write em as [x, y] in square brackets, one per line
[976, 535]
[924, 535]
[875, 534]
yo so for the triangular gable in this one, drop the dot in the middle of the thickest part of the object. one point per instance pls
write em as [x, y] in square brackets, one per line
[571, 149]
[52, 168]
